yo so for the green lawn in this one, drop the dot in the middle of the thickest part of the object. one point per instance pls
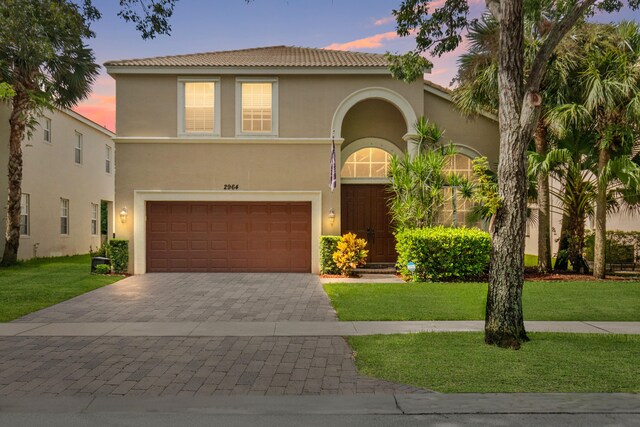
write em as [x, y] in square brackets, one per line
[36, 284]
[530, 260]
[461, 362]
[604, 301]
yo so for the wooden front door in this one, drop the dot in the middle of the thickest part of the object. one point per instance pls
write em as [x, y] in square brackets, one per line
[365, 213]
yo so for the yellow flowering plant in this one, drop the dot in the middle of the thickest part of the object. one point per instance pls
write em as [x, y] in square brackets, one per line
[350, 253]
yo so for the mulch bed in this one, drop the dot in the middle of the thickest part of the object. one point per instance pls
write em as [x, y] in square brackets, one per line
[534, 276]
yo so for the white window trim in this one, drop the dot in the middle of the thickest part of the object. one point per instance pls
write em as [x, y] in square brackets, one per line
[75, 147]
[108, 154]
[47, 121]
[67, 217]
[27, 214]
[97, 217]
[274, 107]
[216, 107]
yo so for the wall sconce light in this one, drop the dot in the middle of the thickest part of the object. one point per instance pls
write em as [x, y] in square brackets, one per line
[123, 215]
[332, 216]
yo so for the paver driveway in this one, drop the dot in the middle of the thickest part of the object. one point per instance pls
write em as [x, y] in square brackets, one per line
[197, 297]
[129, 366]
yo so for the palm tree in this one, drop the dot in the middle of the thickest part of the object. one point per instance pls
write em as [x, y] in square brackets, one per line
[417, 182]
[45, 61]
[478, 91]
[605, 103]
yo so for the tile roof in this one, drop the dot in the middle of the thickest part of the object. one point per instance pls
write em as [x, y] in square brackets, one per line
[272, 56]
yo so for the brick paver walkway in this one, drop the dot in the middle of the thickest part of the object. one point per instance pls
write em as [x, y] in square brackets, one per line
[180, 365]
[194, 297]
[81, 366]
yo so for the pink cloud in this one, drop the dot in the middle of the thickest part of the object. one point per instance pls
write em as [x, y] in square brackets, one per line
[100, 106]
[371, 42]
[384, 21]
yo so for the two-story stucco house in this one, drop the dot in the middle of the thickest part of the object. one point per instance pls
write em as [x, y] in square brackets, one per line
[223, 157]
[68, 180]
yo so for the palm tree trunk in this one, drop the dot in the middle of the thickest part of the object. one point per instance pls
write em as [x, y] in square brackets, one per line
[544, 214]
[601, 218]
[17, 125]
[504, 324]
[562, 258]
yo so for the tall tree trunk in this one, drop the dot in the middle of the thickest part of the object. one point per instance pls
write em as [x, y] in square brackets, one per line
[601, 218]
[544, 214]
[562, 257]
[17, 125]
[504, 324]
[576, 244]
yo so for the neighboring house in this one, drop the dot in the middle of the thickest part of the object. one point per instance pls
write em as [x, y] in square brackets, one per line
[621, 220]
[223, 157]
[67, 184]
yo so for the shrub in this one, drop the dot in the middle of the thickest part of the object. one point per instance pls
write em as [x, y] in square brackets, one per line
[328, 245]
[443, 253]
[102, 269]
[350, 253]
[621, 246]
[102, 251]
[119, 251]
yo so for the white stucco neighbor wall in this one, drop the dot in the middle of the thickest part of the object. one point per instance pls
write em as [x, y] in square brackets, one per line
[50, 173]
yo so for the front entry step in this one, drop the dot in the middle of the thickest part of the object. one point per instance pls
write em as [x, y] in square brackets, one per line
[377, 268]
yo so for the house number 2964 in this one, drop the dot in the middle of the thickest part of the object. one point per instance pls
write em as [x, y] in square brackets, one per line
[231, 186]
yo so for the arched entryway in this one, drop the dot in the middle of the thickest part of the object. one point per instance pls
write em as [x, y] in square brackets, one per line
[374, 123]
[364, 195]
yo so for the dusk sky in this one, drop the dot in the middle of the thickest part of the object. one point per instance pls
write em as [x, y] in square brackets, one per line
[213, 25]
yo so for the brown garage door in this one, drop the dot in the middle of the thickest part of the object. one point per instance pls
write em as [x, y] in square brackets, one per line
[229, 236]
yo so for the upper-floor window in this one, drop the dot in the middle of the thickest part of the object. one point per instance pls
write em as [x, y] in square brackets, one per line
[64, 216]
[199, 107]
[107, 161]
[257, 106]
[94, 219]
[25, 228]
[46, 127]
[77, 149]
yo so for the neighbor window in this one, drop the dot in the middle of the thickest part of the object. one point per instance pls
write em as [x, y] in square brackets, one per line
[64, 216]
[107, 165]
[24, 215]
[199, 106]
[46, 127]
[94, 219]
[257, 100]
[77, 150]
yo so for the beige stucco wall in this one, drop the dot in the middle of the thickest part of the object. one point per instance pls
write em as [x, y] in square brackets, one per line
[294, 166]
[147, 105]
[49, 174]
[296, 160]
[615, 221]
[479, 133]
[374, 118]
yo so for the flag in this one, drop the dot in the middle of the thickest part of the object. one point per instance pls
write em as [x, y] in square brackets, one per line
[332, 167]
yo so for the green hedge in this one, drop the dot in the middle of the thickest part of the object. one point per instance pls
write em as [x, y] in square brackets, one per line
[444, 253]
[621, 246]
[119, 254]
[327, 248]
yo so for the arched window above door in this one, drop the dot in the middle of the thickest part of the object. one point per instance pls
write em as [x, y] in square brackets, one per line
[369, 162]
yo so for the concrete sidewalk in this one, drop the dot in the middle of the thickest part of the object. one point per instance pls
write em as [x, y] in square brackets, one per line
[287, 328]
[398, 403]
